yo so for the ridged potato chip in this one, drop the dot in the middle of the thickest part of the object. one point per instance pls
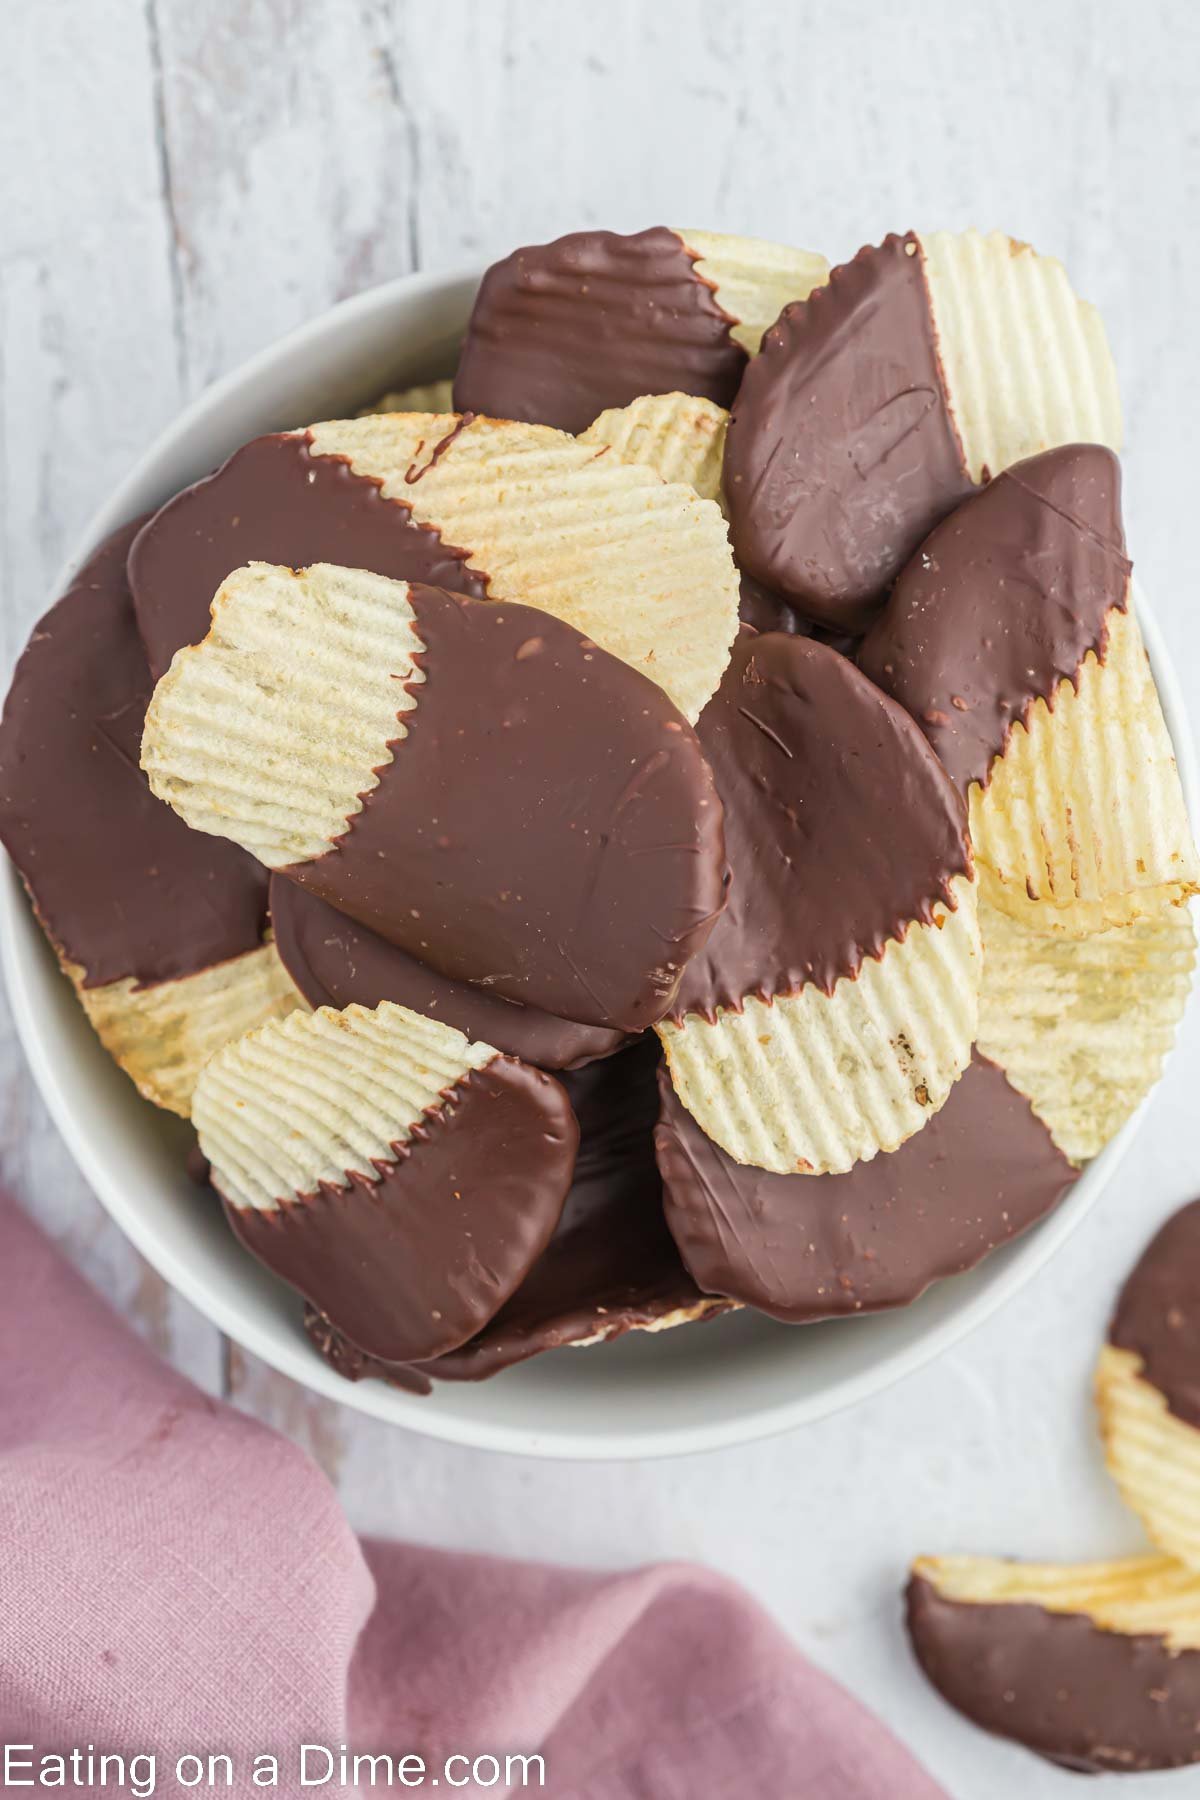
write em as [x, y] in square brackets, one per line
[1081, 1025]
[640, 565]
[1094, 1666]
[1082, 825]
[290, 729]
[164, 1035]
[754, 279]
[426, 397]
[812, 1083]
[399, 1176]
[1026, 362]
[1153, 1456]
[680, 436]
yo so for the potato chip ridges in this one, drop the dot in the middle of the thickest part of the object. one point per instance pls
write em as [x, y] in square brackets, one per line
[1081, 1025]
[1152, 1594]
[1153, 1457]
[753, 279]
[816, 1082]
[680, 436]
[640, 565]
[1083, 823]
[271, 730]
[310, 1098]
[1027, 363]
[162, 1036]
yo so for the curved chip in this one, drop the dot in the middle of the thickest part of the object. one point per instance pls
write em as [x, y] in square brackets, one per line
[835, 1003]
[561, 332]
[1009, 640]
[274, 500]
[1095, 1666]
[335, 961]
[1148, 1388]
[640, 565]
[879, 402]
[680, 436]
[381, 744]
[611, 1266]
[159, 930]
[1081, 1025]
[162, 1036]
[402, 1178]
[802, 1248]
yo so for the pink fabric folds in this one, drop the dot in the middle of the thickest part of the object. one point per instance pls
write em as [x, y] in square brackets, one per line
[178, 1582]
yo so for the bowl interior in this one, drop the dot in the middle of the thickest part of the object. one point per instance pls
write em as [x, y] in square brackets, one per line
[699, 1387]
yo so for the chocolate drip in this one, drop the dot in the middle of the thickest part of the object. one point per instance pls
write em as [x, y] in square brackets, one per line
[562, 331]
[805, 1247]
[120, 884]
[1088, 1699]
[840, 825]
[275, 501]
[549, 828]
[1158, 1313]
[1002, 602]
[336, 962]
[842, 452]
[414, 1260]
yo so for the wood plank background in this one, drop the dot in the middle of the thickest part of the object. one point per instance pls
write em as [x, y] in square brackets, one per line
[183, 180]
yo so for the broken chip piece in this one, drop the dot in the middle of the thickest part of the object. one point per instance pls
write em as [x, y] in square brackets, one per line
[160, 930]
[1095, 1666]
[802, 1248]
[878, 403]
[381, 744]
[835, 1002]
[1009, 639]
[562, 332]
[1148, 1388]
[400, 1177]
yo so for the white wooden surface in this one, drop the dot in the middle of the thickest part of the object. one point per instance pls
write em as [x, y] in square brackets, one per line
[182, 180]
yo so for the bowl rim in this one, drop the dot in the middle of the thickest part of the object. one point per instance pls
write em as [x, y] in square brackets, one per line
[292, 1356]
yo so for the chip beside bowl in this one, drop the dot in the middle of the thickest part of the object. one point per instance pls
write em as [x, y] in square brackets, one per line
[729, 1380]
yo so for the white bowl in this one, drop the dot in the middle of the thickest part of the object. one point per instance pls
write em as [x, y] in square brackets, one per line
[693, 1389]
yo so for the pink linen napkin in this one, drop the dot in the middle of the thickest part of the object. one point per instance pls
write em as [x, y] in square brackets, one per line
[178, 1582]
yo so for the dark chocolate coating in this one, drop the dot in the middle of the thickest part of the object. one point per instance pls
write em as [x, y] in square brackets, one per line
[1158, 1313]
[805, 1247]
[549, 827]
[840, 824]
[611, 1264]
[121, 885]
[335, 961]
[562, 331]
[413, 1261]
[353, 1364]
[274, 501]
[1091, 1700]
[1003, 600]
[842, 453]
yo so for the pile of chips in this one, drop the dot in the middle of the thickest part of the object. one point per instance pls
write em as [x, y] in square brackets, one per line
[678, 817]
